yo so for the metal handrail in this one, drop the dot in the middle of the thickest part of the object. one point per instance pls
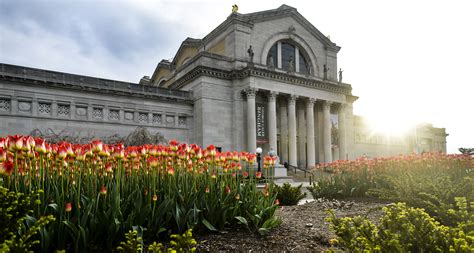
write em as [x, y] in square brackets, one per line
[305, 170]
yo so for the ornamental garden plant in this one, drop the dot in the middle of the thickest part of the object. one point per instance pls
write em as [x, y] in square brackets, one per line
[93, 194]
[435, 209]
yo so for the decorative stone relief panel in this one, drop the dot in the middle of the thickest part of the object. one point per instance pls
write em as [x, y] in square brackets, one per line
[4, 105]
[169, 120]
[128, 115]
[182, 121]
[114, 114]
[156, 119]
[81, 111]
[143, 117]
[97, 113]
[64, 110]
[44, 108]
[24, 106]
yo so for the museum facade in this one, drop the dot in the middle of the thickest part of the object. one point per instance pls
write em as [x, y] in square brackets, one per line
[266, 79]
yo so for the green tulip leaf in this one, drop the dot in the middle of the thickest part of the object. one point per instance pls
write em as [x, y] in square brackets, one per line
[209, 225]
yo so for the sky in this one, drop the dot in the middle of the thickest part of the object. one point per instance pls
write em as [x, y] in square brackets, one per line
[409, 62]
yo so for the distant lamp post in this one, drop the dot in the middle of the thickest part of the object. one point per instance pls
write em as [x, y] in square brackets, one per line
[259, 158]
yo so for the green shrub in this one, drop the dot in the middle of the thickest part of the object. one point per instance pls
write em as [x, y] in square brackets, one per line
[288, 195]
[183, 243]
[401, 229]
[433, 190]
[179, 243]
[17, 227]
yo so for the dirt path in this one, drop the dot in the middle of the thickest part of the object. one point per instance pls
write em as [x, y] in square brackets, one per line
[303, 228]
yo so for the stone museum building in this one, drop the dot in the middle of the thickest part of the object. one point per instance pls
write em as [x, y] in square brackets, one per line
[267, 79]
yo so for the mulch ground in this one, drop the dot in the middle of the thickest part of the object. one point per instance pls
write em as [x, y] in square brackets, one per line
[303, 228]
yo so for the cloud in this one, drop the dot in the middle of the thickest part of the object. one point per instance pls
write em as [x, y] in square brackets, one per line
[84, 35]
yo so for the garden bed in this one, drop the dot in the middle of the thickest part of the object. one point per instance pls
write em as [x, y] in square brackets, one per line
[303, 228]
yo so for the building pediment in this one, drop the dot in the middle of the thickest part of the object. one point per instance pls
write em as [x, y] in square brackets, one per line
[284, 11]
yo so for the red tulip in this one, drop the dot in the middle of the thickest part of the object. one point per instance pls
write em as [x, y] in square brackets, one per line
[6, 167]
[15, 142]
[68, 207]
[3, 154]
[103, 190]
[97, 146]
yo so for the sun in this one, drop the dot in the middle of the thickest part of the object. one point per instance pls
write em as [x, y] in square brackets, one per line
[391, 126]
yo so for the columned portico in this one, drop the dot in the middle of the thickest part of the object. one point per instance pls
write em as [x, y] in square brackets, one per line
[327, 131]
[251, 120]
[311, 156]
[272, 120]
[292, 130]
[342, 132]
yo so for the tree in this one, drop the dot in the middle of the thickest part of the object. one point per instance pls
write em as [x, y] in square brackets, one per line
[466, 151]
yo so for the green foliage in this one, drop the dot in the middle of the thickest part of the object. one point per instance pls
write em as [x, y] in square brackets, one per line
[434, 190]
[158, 201]
[401, 229]
[155, 247]
[17, 228]
[289, 195]
[466, 151]
[258, 209]
[345, 184]
[179, 243]
[183, 243]
[133, 243]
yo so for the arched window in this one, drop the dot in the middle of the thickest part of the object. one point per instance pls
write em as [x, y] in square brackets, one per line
[289, 57]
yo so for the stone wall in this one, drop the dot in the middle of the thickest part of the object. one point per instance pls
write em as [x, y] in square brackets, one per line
[38, 99]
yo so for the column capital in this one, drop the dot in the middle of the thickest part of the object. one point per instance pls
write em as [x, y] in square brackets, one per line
[327, 103]
[251, 92]
[272, 96]
[342, 107]
[292, 99]
[310, 102]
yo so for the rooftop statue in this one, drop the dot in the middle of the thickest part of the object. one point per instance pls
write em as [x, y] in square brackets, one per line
[235, 8]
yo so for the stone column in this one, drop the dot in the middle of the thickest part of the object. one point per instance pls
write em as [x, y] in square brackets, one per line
[272, 120]
[301, 136]
[251, 121]
[283, 133]
[327, 131]
[292, 130]
[319, 127]
[310, 132]
[342, 132]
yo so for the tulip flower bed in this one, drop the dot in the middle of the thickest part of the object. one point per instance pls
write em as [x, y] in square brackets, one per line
[431, 181]
[98, 192]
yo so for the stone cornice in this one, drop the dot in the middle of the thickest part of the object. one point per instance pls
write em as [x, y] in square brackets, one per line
[45, 78]
[254, 71]
[234, 18]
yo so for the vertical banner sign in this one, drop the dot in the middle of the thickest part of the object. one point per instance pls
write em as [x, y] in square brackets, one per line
[261, 113]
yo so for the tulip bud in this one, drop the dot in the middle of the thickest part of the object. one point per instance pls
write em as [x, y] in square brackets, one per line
[68, 207]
